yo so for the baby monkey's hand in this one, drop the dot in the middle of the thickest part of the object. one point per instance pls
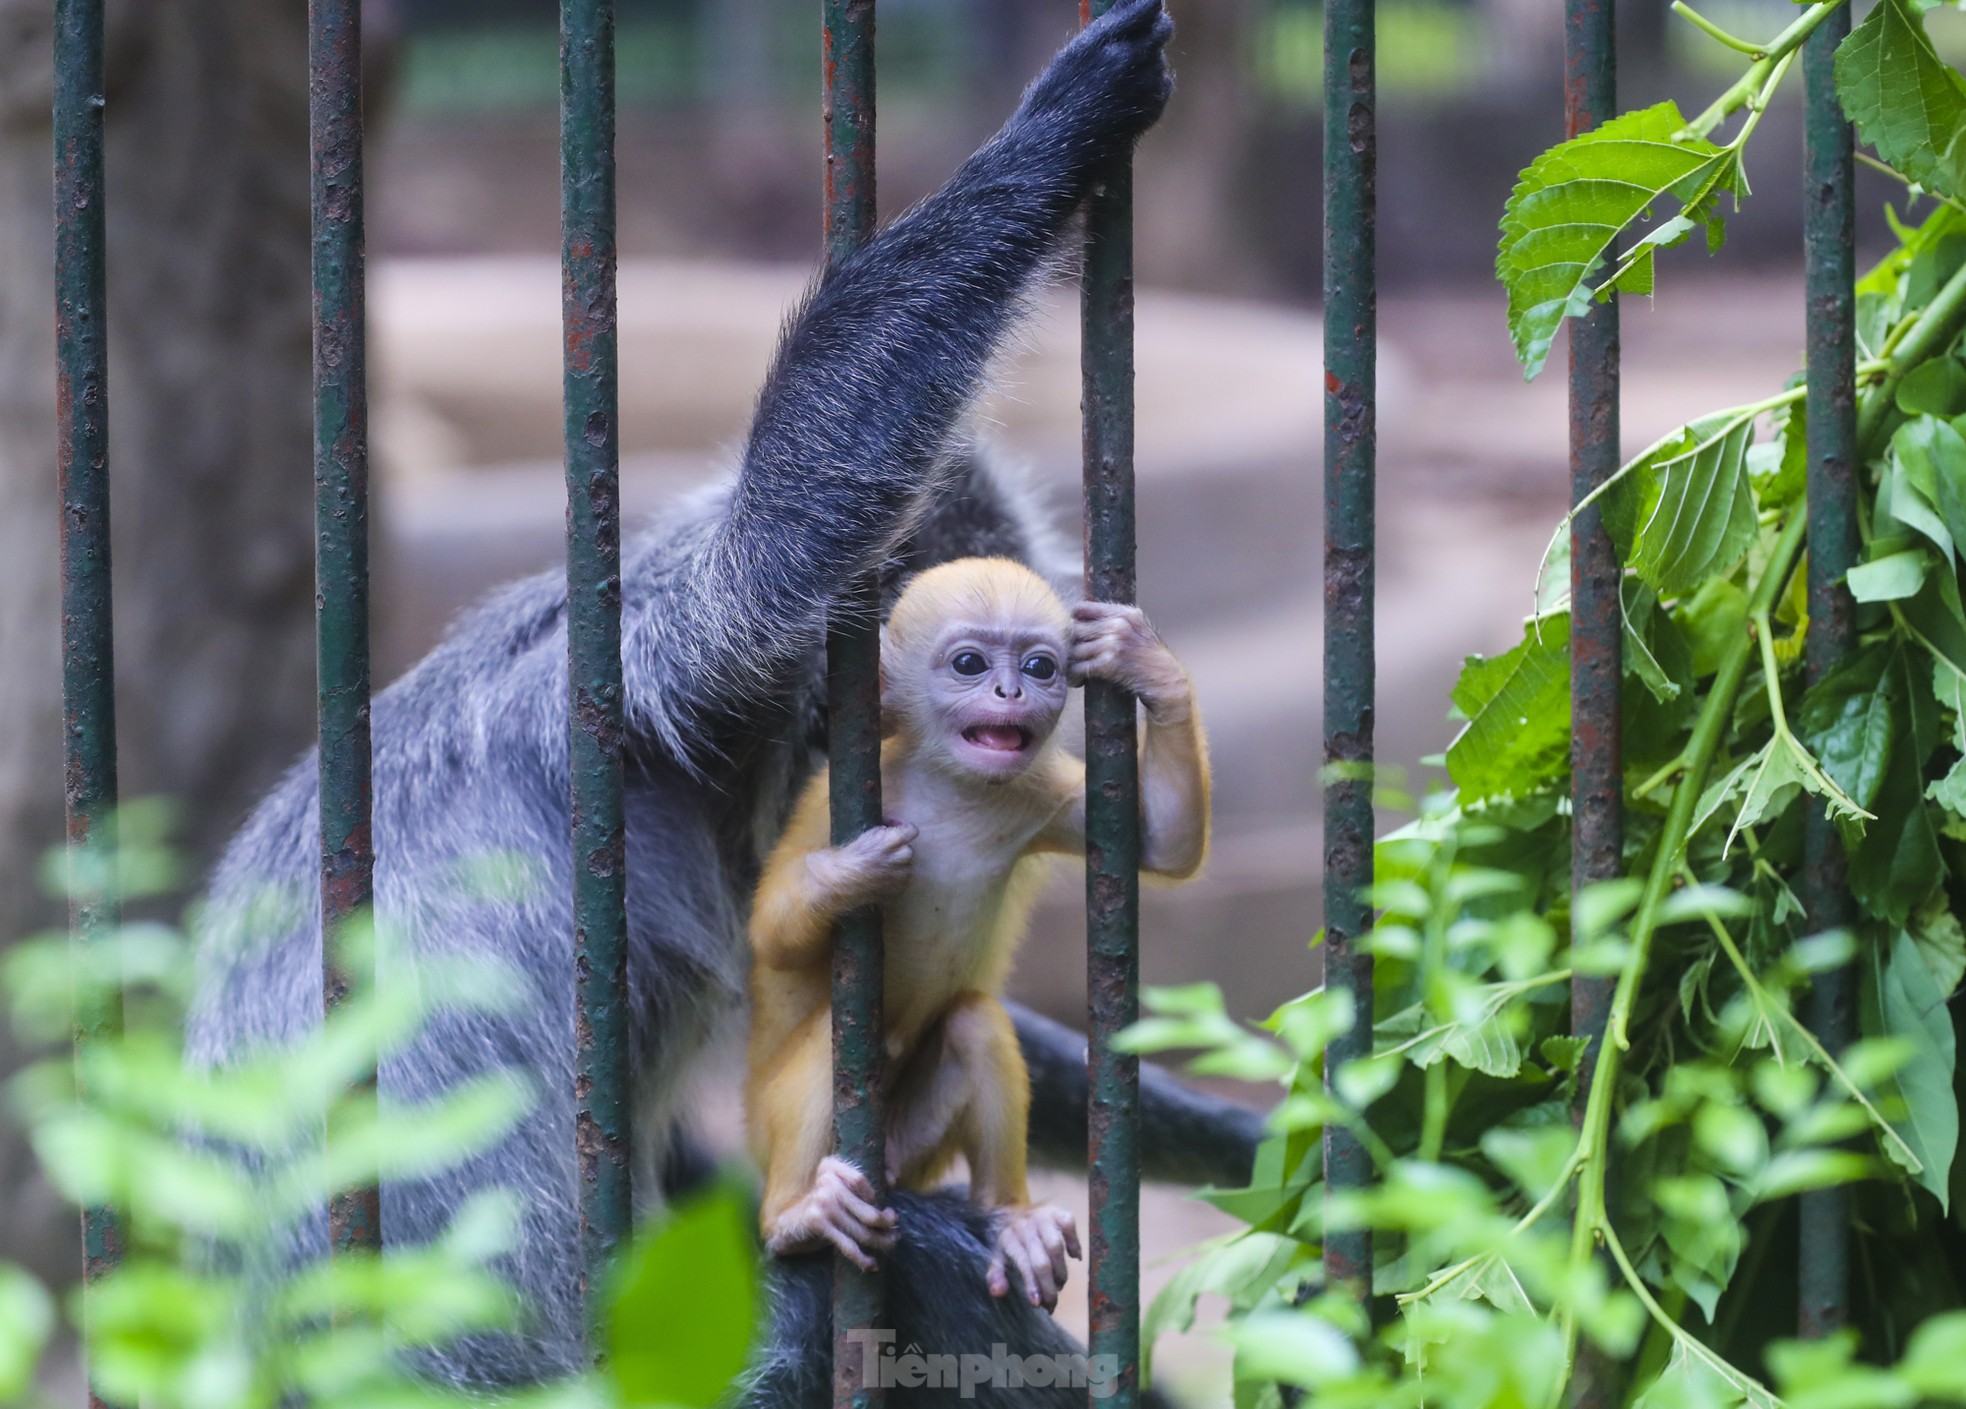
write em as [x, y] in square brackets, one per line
[873, 866]
[1115, 642]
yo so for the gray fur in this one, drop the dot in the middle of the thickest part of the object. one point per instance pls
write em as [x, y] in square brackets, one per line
[851, 464]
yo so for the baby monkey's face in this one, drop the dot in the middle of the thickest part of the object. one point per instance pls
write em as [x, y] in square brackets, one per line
[993, 694]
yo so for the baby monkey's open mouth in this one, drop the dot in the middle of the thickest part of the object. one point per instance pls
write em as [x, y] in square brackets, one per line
[1004, 738]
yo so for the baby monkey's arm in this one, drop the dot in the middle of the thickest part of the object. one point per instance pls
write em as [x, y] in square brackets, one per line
[1116, 643]
[807, 885]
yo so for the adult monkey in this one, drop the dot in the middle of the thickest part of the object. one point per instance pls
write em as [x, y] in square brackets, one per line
[851, 464]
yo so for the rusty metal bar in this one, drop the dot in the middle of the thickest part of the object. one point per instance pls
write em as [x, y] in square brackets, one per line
[1590, 83]
[1351, 340]
[853, 707]
[341, 514]
[591, 393]
[1829, 246]
[88, 668]
[1112, 784]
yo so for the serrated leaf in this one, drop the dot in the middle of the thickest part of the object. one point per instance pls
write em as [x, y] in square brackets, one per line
[1905, 101]
[1518, 708]
[1767, 782]
[1696, 1378]
[1569, 206]
[1683, 512]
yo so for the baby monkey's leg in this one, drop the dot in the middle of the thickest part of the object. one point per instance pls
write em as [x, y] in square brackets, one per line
[992, 1129]
[813, 1198]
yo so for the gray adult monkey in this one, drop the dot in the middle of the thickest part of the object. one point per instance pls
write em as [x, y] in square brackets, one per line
[852, 463]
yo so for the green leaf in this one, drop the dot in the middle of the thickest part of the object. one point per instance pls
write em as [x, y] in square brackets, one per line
[1932, 457]
[1518, 709]
[1850, 721]
[1935, 1360]
[27, 1319]
[1230, 1267]
[684, 1306]
[1905, 101]
[1572, 202]
[1874, 724]
[1942, 942]
[1290, 1347]
[1891, 578]
[1780, 472]
[1713, 620]
[1656, 653]
[1901, 998]
[1696, 1378]
[1683, 511]
[1767, 782]
[1935, 388]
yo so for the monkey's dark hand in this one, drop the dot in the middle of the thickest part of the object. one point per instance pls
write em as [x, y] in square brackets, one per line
[1112, 82]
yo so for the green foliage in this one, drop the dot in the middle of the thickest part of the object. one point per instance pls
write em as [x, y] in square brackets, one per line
[1907, 103]
[1530, 1207]
[686, 1304]
[1574, 201]
[204, 1169]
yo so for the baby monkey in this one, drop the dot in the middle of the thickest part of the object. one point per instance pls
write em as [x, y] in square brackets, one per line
[977, 656]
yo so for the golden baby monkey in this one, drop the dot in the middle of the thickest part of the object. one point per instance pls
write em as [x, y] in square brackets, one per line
[976, 660]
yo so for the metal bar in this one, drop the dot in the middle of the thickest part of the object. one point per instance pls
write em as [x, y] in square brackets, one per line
[1590, 82]
[1112, 784]
[853, 704]
[1351, 337]
[88, 667]
[341, 514]
[1829, 245]
[594, 699]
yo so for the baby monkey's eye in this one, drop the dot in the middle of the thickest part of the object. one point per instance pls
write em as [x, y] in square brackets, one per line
[1040, 667]
[969, 663]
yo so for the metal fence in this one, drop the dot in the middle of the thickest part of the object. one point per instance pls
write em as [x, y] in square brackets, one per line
[593, 581]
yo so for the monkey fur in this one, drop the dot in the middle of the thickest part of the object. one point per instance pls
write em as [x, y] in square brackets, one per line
[852, 463]
[976, 659]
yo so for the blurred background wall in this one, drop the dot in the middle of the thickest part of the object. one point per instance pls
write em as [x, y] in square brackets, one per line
[720, 223]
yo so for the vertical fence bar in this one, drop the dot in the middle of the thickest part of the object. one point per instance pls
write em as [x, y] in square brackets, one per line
[594, 703]
[1112, 782]
[341, 512]
[1829, 244]
[1590, 75]
[88, 670]
[853, 700]
[1351, 344]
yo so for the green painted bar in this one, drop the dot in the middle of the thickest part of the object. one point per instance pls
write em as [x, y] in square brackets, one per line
[853, 707]
[602, 1083]
[1829, 245]
[341, 512]
[88, 663]
[1590, 85]
[1112, 787]
[1350, 443]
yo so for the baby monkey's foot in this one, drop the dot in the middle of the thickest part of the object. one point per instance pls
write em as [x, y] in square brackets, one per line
[840, 1210]
[1036, 1242]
